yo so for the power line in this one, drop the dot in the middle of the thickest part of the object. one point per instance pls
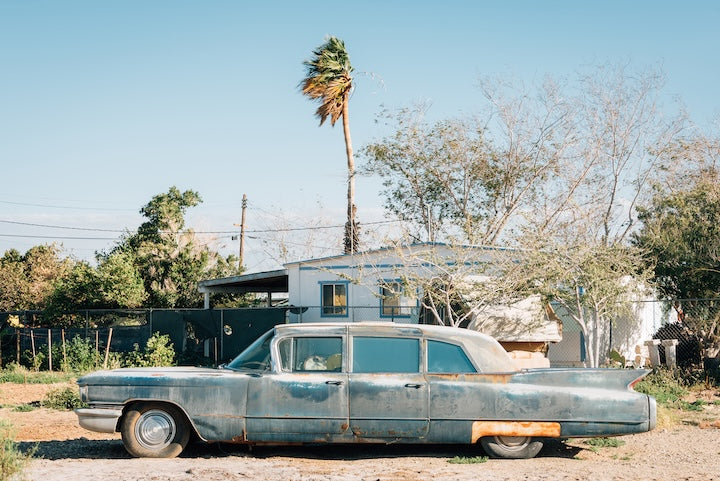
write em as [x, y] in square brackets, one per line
[257, 231]
[60, 227]
[55, 237]
[48, 206]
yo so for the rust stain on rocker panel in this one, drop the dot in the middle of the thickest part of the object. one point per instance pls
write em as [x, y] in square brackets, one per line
[514, 428]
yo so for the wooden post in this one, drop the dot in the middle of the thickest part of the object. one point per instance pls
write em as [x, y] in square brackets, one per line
[107, 348]
[65, 363]
[97, 346]
[49, 350]
[242, 233]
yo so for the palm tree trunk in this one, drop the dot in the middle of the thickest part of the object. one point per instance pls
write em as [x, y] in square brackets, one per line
[351, 233]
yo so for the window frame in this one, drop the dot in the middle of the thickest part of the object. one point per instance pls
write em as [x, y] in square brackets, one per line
[400, 307]
[345, 308]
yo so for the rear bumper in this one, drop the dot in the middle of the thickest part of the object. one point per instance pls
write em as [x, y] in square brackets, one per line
[99, 420]
[652, 407]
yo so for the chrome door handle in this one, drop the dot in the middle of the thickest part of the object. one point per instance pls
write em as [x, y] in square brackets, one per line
[414, 386]
[334, 383]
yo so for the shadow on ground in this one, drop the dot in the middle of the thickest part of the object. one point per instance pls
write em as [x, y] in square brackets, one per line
[113, 449]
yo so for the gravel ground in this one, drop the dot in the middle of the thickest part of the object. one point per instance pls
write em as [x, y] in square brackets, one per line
[688, 450]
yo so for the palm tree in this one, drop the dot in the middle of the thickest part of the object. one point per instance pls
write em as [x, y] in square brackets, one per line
[328, 80]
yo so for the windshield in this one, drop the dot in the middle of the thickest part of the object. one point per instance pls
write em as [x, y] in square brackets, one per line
[256, 357]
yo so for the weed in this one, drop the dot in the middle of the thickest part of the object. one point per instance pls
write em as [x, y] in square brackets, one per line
[663, 386]
[24, 408]
[12, 460]
[604, 442]
[468, 460]
[691, 406]
[20, 375]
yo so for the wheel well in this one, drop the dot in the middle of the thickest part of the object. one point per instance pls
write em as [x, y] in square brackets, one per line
[136, 402]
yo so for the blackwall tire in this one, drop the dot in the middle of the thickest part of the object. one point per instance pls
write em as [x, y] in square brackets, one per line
[511, 447]
[154, 430]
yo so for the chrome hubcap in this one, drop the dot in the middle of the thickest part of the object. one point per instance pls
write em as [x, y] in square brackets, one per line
[513, 442]
[155, 429]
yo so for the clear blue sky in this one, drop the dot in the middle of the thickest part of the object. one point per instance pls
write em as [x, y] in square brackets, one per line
[104, 104]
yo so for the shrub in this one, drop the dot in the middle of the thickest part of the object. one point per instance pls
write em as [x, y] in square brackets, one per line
[63, 399]
[158, 352]
[81, 355]
[12, 460]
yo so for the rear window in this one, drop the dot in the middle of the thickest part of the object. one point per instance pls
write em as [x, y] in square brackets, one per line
[444, 357]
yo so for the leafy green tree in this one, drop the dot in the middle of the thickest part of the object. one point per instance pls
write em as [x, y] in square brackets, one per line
[115, 283]
[167, 256]
[681, 234]
[328, 80]
[26, 281]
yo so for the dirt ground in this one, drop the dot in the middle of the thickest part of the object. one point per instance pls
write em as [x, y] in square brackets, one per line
[688, 450]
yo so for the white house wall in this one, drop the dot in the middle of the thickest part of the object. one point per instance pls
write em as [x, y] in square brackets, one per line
[363, 274]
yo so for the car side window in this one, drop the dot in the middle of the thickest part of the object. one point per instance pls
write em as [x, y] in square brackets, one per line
[385, 354]
[445, 357]
[301, 354]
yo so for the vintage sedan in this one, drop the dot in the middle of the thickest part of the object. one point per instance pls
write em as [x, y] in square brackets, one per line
[360, 383]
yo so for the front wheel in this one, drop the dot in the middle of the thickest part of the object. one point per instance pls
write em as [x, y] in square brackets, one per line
[511, 447]
[154, 430]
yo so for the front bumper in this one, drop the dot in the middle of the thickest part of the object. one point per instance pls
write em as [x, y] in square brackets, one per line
[98, 419]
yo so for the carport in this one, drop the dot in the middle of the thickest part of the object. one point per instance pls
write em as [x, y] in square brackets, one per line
[269, 282]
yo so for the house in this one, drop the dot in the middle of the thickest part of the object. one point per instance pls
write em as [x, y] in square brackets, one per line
[378, 285]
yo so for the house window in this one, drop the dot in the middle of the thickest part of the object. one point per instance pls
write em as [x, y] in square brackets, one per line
[393, 303]
[334, 299]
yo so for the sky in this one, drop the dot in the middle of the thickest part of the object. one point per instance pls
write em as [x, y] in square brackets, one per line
[104, 104]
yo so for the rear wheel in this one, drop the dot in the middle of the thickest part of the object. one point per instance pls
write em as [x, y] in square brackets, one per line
[154, 430]
[511, 447]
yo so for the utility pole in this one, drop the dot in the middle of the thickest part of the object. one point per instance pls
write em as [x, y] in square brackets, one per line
[242, 232]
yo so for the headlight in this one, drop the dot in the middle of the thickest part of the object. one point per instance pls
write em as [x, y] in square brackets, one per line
[84, 393]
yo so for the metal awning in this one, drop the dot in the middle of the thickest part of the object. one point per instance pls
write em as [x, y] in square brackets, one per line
[270, 281]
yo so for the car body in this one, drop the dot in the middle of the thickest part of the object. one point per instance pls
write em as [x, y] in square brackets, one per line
[364, 382]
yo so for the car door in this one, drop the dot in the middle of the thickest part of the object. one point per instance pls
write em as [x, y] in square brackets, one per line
[388, 393]
[306, 400]
[457, 397]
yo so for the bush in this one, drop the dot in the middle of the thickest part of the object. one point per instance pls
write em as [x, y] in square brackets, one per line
[158, 352]
[81, 355]
[12, 460]
[63, 399]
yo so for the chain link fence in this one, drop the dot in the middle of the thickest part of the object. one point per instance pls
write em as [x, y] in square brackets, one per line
[219, 334]
[198, 335]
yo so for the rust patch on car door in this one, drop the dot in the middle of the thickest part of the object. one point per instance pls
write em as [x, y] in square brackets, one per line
[481, 429]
